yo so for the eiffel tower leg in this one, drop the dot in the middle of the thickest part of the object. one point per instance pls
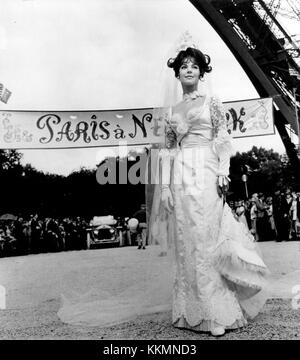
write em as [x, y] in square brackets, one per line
[289, 146]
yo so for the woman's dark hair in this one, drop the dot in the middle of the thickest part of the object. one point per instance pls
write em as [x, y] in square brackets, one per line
[202, 60]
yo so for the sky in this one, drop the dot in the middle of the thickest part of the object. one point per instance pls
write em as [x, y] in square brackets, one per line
[103, 55]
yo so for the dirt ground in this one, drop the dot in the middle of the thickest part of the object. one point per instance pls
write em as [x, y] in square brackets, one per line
[34, 284]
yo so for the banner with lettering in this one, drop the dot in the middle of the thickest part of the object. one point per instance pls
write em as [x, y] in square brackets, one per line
[250, 117]
[74, 129]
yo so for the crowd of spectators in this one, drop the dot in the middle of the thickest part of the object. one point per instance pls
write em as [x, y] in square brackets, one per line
[38, 235]
[274, 217]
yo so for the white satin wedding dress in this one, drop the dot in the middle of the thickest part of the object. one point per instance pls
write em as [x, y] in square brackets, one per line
[219, 276]
[216, 275]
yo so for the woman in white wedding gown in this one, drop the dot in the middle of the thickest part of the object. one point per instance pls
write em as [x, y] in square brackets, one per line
[218, 273]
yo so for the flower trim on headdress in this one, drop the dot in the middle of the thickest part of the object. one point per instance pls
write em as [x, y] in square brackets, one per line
[185, 41]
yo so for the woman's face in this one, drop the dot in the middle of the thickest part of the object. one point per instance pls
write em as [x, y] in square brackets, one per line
[189, 72]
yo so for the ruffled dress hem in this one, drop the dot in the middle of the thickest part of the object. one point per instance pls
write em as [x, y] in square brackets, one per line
[208, 325]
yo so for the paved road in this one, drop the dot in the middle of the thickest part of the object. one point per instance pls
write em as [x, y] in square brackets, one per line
[34, 283]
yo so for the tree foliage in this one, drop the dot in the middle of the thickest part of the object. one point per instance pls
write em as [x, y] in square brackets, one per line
[25, 190]
[266, 171]
[9, 159]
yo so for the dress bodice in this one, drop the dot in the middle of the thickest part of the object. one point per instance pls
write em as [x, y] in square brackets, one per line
[196, 124]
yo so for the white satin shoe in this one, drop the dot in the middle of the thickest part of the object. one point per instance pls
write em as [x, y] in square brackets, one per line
[217, 331]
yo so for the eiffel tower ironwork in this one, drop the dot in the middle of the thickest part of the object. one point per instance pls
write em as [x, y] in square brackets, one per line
[267, 53]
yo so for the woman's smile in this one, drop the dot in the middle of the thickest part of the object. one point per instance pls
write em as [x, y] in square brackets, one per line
[189, 73]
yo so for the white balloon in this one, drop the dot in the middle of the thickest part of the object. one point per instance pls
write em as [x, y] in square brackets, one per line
[133, 223]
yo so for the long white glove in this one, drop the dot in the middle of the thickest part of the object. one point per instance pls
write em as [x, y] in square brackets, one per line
[224, 163]
[223, 172]
[166, 194]
[167, 198]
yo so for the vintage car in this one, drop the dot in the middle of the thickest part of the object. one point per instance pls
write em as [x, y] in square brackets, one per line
[103, 230]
